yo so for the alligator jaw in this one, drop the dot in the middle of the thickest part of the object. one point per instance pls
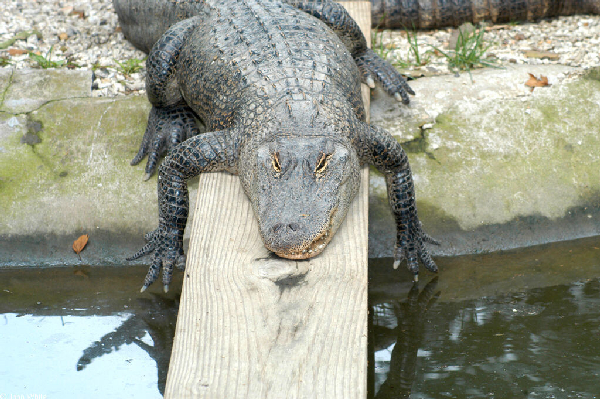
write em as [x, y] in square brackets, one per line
[313, 249]
[316, 246]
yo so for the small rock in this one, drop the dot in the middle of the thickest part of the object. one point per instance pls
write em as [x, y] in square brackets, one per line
[463, 31]
[32, 41]
[63, 36]
[542, 55]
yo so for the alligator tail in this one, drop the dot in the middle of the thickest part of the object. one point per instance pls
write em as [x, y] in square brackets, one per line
[431, 14]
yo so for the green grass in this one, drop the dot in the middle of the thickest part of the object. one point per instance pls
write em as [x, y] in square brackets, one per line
[415, 56]
[19, 36]
[414, 47]
[469, 52]
[130, 66]
[45, 62]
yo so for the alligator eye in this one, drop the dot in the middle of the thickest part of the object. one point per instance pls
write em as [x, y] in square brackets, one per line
[322, 164]
[275, 162]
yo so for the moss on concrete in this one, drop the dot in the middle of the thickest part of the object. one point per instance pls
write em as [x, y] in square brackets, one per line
[78, 176]
[515, 158]
[31, 88]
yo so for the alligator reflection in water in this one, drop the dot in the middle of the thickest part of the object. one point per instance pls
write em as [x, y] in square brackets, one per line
[408, 332]
[539, 343]
[157, 316]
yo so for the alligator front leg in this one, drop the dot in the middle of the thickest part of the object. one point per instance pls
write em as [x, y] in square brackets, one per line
[215, 151]
[166, 128]
[379, 148]
[372, 67]
[170, 121]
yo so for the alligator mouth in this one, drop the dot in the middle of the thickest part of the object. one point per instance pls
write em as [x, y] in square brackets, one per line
[315, 247]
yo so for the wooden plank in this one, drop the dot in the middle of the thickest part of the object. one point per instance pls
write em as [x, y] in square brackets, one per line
[252, 325]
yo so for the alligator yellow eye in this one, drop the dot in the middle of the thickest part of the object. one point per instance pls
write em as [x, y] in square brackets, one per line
[275, 162]
[322, 164]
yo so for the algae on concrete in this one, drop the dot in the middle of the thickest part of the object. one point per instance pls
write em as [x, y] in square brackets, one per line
[493, 169]
[31, 88]
[505, 173]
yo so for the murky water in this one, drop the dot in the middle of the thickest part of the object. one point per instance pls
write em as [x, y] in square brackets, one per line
[523, 324]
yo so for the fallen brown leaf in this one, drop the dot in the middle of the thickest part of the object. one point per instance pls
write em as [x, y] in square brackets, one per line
[80, 243]
[16, 51]
[79, 13]
[534, 82]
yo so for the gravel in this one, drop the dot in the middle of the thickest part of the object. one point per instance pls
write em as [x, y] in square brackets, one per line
[86, 34]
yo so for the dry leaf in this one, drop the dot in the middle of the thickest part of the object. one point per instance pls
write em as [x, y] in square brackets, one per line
[79, 13]
[534, 82]
[16, 51]
[80, 243]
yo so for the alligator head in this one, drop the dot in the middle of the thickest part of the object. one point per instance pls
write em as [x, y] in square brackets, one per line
[302, 189]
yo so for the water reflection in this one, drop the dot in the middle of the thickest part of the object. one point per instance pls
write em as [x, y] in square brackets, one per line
[83, 333]
[542, 343]
[407, 319]
[512, 325]
[157, 317]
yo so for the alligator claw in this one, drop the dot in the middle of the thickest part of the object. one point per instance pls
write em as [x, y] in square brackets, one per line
[411, 247]
[370, 82]
[371, 66]
[168, 252]
[167, 127]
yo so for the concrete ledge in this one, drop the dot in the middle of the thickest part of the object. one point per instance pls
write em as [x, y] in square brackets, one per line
[497, 167]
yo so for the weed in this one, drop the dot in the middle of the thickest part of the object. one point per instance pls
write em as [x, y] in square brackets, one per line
[19, 36]
[468, 53]
[4, 61]
[414, 57]
[45, 62]
[414, 47]
[130, 66]
[97, 66]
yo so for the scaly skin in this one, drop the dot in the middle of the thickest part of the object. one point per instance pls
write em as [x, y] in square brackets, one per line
[431, 14]
[279, 93]
[143, 28]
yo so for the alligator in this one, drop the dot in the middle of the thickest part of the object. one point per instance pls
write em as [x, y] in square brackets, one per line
[277, 84]
[431, 14]
[145, 28]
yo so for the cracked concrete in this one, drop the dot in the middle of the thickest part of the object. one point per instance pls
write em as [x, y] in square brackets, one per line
[495, 165]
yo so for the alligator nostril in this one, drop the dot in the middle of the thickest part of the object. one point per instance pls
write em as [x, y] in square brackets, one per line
[294, 226]
[285, 228]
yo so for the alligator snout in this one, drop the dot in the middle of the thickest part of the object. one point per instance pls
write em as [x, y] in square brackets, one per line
[288, 238]
[295, 241]
[283, 228]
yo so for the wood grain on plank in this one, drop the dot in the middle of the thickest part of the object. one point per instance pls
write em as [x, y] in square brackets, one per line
[252, 325]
